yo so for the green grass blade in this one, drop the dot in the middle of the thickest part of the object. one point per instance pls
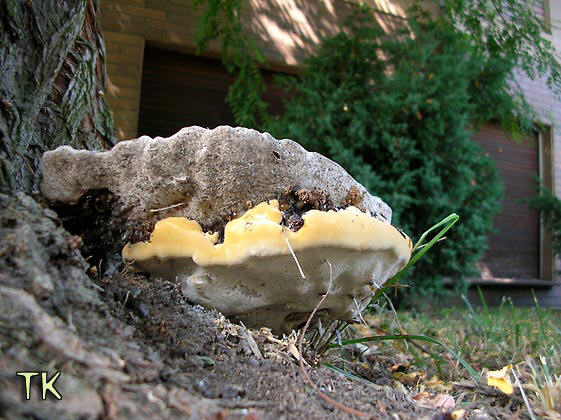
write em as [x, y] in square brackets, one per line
[552, 325]
[471, 310]
[542, 328]
[470, 370]
[420, 242]
[447, 222]
[483, 302]
[345, 373]
[478, 327]
[517, 328]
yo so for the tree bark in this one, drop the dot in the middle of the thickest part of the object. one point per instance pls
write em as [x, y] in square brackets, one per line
[52, 86]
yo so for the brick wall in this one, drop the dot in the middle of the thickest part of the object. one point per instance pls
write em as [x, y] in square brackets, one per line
[287, 31]
[124, 71]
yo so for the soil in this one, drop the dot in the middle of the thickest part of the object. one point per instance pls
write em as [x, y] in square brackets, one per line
[129, 346]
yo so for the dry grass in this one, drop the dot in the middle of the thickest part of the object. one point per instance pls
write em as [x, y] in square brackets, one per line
[486, 338]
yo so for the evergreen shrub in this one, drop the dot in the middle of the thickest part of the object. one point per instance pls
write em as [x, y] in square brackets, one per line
[397, 112]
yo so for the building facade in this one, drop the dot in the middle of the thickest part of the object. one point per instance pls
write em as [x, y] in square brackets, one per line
[157, 84]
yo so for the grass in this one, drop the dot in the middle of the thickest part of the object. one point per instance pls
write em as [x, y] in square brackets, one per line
[485, 338]
[420, 249]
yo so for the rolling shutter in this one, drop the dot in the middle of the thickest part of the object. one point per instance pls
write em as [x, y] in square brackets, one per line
[180, 90]
[514, 247]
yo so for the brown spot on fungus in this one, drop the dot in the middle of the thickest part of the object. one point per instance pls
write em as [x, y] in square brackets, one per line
[354, 198]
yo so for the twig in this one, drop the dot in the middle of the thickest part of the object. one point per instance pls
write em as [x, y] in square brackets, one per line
[126, 298]
[101, 289]
[396, 318]
[336, 404]
[323, 348]
[293, 254]
[222, 402]
[166, 208]
[359, 312]
[530, 412]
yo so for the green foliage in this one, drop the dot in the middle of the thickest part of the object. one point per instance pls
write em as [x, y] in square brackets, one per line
[396, 113]
[420, 249]
[509, 30]
[549, 207]
[506, 31]
[241, 56]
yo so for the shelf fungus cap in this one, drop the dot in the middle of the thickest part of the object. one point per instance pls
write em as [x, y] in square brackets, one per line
[252, 275]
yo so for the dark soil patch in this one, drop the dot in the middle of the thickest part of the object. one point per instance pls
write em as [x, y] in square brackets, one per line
[200, 358]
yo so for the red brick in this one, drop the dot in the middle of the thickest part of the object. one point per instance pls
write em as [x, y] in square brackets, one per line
[123, 38]
[147, 13]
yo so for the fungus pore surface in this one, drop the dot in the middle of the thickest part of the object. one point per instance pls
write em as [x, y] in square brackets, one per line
[252, 276]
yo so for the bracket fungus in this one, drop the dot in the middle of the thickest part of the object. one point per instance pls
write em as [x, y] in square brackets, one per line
[253, 276]
[199, 180]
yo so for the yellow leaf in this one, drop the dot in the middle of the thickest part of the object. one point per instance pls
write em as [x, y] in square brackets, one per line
[458, 414]
[363, 330]
[408, 378]
[500, 379]
[438, 385]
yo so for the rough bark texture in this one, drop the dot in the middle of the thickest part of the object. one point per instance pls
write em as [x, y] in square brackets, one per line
[52, 85]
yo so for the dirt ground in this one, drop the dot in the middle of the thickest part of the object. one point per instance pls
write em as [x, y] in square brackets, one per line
[131, 347]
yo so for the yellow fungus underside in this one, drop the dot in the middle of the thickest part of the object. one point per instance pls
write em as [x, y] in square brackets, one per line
[259, 233]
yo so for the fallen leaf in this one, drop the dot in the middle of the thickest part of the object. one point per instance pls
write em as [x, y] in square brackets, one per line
[248, 338]
[500, 379]
[226, 327]
[552, 415]
[363, 330]
[443, 401]
[293, 351]
[458, 414]
[438, 385]
[399, 367]
[421, 395]
[411, 378]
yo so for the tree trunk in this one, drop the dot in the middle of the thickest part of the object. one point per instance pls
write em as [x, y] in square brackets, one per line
[52, 86]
